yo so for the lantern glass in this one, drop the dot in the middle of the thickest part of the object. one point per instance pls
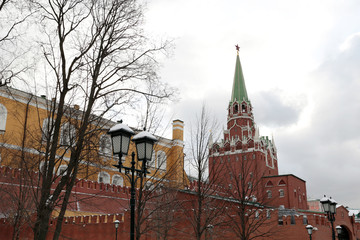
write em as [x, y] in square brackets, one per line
[125, 144]
[149, 151]
[141, 148]
[325, 202]
[144, 145]
[309, 228]
[120, 138]
[338, 230]
[117, 223]
[333, 207]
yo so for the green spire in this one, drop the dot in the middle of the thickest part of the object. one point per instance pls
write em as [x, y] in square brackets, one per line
[239, 90]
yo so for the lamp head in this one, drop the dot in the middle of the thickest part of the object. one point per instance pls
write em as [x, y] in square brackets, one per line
[325, 202]
[309, 228]
[144, 145]
[117, 223]
[120, 138]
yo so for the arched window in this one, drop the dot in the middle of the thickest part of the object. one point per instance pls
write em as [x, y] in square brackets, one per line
[269, 194]
[282, 183]
[47, 129]
[236, 109]
[68, 135]
[118, 180]
[62, 170]
[243, 107]
[3, 117]
[269, 184]
[105, 144]
[281, 193]
[161, 160]
[42, 168]
[103, 177]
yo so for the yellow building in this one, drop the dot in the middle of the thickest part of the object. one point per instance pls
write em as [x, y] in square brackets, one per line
[24, 131]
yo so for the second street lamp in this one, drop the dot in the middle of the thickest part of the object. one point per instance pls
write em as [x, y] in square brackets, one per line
[309, 228]
[144, 141]
[329, 206]
[117, 223]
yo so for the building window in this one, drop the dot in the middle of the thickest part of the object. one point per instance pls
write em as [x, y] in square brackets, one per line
[105, 144]
[3, 117]
[117, 180]
[237, 158]
[42, 168]
[47, 130]
[268, 214]
[68, 135]
[281, 193]
[230, 186]
[282, 183]
[269, 194]
[103, 177]
[269, 184]
[236, 109]
[243, 106]
[251, 175]
[257, 214]
[244, 157]
[161, 160]
[62, 170]
[254, 155]
[249, 185]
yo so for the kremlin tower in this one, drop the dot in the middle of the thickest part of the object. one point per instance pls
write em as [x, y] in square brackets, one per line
[243, 161]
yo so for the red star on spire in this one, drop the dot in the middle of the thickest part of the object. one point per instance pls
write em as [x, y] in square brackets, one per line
[237, 47]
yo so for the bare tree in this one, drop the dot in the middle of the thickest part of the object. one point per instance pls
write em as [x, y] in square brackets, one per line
[250, 212]
[203, 204]
[98, 58]
[13, 15]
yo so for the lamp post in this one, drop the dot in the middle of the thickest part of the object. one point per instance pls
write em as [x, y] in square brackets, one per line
[309, 228]
[117, 222]
[144, 141]
[329, 206]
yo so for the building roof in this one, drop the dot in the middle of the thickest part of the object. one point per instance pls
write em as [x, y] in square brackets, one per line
[284, 175]
[238, 90]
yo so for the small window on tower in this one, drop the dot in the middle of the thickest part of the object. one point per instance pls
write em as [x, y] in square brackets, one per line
[243, 108]
[236, 109]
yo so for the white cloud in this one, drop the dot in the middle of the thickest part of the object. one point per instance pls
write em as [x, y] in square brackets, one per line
[301, 67]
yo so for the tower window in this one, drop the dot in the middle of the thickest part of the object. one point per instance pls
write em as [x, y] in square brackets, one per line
[236, 109]
[243, 108]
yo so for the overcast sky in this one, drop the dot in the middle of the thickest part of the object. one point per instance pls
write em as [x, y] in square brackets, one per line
[301, 63]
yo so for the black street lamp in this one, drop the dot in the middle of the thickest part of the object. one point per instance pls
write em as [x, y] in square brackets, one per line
[329, 206]
[144, 141]
[117, 222]
[309, 228]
